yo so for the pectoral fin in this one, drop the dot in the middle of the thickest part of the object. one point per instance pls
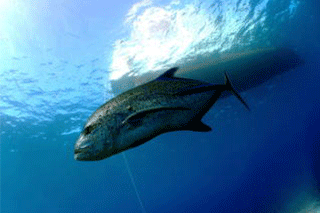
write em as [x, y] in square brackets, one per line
[136, 118]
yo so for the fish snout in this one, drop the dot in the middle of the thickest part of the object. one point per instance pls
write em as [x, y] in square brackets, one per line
[78, 148]
[82, 146]
[80, 153]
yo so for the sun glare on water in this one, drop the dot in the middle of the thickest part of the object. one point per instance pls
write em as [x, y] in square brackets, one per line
[3, 3]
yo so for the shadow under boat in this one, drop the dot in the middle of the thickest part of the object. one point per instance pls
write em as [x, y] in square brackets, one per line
[246, 69]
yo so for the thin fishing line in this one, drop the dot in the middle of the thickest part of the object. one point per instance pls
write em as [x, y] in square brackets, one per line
[133, 183]
[128, 168]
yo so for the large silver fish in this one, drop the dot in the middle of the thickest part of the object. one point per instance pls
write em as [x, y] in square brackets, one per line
[134, 117]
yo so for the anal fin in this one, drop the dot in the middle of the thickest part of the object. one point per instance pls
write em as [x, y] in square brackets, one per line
[198, 127]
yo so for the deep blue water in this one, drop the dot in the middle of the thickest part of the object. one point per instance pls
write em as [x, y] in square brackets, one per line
[55, 68]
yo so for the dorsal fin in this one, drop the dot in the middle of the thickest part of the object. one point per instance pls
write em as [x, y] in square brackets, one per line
[168, 74]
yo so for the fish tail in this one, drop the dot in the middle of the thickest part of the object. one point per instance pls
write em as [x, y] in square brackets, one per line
[235, 93]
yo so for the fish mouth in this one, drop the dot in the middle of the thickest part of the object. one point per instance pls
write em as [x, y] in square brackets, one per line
[80, 154]
[77, 157]
[81, 157]
[77, 154]
[83, 154]
[77, 151]
[81, 149]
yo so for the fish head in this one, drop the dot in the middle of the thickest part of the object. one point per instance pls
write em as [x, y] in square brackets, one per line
[95, 141]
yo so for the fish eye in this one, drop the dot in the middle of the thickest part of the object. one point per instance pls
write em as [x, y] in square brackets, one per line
[88, 129]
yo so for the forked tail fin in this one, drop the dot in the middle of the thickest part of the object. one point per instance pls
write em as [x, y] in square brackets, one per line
[231, 89]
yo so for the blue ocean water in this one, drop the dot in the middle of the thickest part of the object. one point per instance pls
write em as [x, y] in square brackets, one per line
[58, 59]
